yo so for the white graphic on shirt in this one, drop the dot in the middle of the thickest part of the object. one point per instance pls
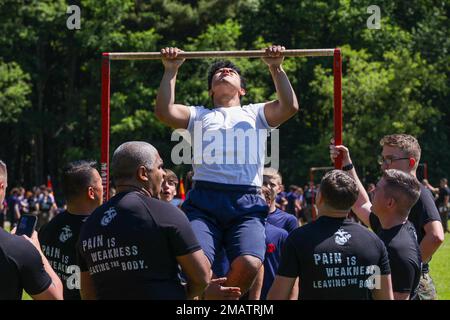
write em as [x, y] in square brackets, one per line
[108, 216]
[104, 254]
[65, 234]
[342, 237]
[341, 271]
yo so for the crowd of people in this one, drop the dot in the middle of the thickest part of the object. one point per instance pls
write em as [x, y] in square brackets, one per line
[237, 235]
[39, 201]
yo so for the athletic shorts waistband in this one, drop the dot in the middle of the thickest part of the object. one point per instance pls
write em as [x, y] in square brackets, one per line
[198, 184]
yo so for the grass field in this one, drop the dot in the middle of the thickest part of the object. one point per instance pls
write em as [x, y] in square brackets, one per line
[439, 269]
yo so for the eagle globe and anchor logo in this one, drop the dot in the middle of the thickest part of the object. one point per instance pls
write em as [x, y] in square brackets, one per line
[108, 216]
[342, 237]
[66, 234]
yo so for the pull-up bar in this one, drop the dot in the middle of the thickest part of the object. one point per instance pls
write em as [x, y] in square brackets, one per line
[108, 56]
[219, 54]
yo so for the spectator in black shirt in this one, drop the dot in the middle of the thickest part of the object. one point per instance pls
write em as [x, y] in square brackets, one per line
[443, 203]
[402, 152]
[310, 193]
[334, 257]
[13, 207]
[22, 264]
[83, 190]
[131, 246]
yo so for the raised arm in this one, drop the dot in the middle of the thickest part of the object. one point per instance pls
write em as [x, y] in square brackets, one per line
[362, 205]
[174, 115]
[286, 106]
[55, 290]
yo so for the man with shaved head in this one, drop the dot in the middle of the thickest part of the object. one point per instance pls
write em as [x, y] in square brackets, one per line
[132, 245]
[334, 257]
[139, 155]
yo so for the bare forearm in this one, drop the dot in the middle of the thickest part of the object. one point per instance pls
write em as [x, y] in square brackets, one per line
[56, 281]
[285, 92]
[295, 290]
[360, 206]
[385, 290]
[428, 247]
[194, 290]
[401, 296]
[363, 197]
[433, 238]
[281, 288]
[166, 92]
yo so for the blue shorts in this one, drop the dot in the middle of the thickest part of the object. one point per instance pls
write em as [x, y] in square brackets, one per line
[230, 217]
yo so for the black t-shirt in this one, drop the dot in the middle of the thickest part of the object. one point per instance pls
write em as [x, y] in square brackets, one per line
[404, 255]
[12, 202]
[58, 241]
[443, 192]
[21, 268]
[423, 212]
[334, 258]
[310, 194]
[129, 246]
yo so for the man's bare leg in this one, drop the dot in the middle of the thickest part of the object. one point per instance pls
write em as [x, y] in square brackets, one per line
[243, 271]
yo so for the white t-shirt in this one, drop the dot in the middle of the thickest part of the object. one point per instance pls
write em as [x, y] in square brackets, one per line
[229, 144]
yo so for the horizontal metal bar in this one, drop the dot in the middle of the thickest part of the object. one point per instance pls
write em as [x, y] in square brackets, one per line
[320, 168]
[217, 54]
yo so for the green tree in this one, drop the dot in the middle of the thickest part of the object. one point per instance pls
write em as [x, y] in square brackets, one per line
[14, 91]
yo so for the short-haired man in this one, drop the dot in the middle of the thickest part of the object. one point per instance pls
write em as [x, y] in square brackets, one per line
[276, 183]
[394, 196]
[23, 266]
[334, 257]
[169, 188]
[402, 152]
[83, 191]
[277, 217]
[224, 207]
[275, 239]
[131, 247]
